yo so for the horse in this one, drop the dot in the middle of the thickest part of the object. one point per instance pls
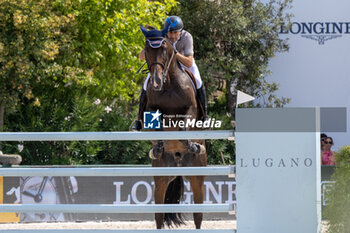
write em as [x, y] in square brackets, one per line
[171, 92]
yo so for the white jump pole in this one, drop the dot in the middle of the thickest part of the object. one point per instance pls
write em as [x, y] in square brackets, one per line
[119, 230]
[113, 171]
[116, 136]
[109, 208]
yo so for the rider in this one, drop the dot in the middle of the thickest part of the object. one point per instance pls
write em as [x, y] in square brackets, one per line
[182, 43]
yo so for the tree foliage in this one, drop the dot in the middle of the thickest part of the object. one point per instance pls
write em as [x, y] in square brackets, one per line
[234, 40]
[82, 45]
[109, 42]
[34, 39]
[70, 66]
[337, 212]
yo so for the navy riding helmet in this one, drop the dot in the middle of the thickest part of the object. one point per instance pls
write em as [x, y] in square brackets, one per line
[175, 23]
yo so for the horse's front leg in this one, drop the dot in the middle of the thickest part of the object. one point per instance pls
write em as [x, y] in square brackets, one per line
[192, 147]
[197, 185]
[195, 147]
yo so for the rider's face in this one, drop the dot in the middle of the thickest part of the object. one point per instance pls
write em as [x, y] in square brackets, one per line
[173, 36]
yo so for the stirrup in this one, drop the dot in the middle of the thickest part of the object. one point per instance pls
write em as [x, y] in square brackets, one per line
[205, 117]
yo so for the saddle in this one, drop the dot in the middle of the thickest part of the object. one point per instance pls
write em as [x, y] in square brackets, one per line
[193, 80]
[194, 85]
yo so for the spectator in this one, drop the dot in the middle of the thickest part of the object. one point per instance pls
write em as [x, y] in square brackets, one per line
[327, 153]
[323, 138]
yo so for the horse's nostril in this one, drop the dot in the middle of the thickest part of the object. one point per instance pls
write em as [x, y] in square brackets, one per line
[178, 154]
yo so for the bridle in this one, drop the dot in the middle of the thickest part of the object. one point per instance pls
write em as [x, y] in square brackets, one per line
[157, 43]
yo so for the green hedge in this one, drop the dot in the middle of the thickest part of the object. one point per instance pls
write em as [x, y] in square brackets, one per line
[337, 211]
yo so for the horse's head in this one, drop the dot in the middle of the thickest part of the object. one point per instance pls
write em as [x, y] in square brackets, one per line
[158, 53]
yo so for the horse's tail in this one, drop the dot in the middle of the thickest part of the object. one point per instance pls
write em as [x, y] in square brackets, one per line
[173, 195]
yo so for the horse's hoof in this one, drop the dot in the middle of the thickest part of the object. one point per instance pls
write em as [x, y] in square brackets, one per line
[10, 159]
[156, 154]
[158, 150]
[197, 148]
[202, 149]
[193, 148]
[151, 155]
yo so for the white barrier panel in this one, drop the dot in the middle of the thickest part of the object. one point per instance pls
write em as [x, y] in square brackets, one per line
[278, 171]
[103, 171]
[113, 231]
[116, 136]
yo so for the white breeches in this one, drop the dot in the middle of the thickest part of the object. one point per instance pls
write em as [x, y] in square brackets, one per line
[193, 69]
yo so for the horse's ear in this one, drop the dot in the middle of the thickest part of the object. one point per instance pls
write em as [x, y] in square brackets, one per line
[165, 30]
[150, 27]
[144, 30]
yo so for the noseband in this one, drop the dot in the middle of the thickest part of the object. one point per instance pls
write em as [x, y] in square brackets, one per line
[156, 63]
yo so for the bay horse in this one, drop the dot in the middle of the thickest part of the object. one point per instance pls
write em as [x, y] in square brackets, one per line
[171, 92]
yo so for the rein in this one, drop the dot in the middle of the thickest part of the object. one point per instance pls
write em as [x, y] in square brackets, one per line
[167, 68]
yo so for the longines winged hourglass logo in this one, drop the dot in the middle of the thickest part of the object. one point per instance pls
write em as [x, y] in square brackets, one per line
[318, 31]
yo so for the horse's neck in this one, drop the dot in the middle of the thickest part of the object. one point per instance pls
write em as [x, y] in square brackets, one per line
[175, 72]
[174, 66]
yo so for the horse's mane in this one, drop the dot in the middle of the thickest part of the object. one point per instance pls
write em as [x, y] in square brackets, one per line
[170, 51]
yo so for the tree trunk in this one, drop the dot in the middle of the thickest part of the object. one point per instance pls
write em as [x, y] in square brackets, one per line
[2, 116]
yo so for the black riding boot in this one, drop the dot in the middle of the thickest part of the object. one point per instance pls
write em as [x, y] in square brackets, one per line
[202, 98]
[138, 124]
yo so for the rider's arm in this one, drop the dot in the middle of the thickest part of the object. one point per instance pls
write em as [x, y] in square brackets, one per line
[142, 55]
[186, 61]
[186, 58]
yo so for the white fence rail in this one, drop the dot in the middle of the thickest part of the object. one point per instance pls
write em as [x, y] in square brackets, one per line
[117, 231]
[109, 208]
[125, 171]
[116, 136]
